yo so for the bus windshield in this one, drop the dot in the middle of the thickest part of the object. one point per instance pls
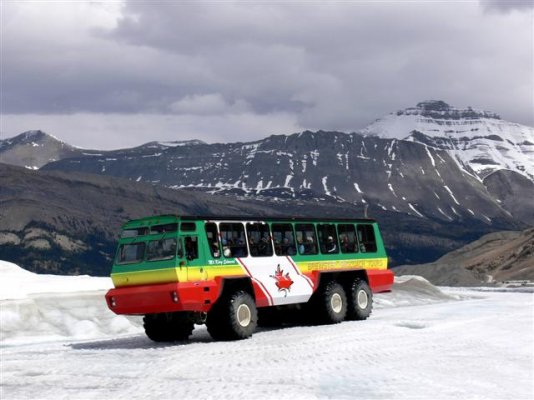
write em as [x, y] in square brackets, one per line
[130, 253]
[162, 249]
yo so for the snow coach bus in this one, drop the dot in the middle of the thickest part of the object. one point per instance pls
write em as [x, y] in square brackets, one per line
[231, 272]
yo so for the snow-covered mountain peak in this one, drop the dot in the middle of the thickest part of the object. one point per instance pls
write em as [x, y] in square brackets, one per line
[480, 141]
[438, 109]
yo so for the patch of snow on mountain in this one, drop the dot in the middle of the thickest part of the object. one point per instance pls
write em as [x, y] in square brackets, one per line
[479, 139]
[180, 143]
[288, 179]
[415, 211]
[325, 187]
[451, 194]
[392, 190]
[314, 156]
[430, 156]
[446, 215]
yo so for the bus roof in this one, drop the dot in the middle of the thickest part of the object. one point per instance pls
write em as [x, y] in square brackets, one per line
[166, 218]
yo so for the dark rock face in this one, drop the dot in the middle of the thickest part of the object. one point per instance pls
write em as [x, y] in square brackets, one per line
[496, 257]
[398, 176]
[440, 109]
[514, 192]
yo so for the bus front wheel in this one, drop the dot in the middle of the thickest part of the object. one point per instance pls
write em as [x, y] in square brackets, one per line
[168, 327]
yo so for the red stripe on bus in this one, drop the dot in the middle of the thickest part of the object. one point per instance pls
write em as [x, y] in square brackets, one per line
[260, 285]
[298, 271]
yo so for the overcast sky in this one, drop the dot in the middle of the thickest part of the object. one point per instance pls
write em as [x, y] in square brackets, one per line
[102, 74]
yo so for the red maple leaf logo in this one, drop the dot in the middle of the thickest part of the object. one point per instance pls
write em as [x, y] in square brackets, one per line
[283, 282]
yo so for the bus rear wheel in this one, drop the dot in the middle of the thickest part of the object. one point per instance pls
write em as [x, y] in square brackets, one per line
[360, 301]
[233, 317]
[168, 327]
[332, 303]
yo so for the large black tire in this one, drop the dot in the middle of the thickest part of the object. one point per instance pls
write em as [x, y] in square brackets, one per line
[233, 317]
[168, 327]
[360, 301]
[331, 303]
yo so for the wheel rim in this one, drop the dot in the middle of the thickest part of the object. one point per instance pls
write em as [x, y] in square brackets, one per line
[362, 299]
[244, 315]
[336, 302]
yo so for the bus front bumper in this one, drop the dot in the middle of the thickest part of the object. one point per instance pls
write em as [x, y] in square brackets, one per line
[159, 298]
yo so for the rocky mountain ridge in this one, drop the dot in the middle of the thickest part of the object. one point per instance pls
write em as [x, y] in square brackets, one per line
[33, 149]
[396, 175]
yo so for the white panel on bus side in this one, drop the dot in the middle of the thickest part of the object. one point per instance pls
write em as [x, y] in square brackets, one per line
[279, 278]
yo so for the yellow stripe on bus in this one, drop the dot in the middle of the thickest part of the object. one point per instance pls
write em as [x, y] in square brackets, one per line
[176, 274]
[370, 263]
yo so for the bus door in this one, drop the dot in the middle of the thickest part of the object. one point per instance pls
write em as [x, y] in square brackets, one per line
[191, 258]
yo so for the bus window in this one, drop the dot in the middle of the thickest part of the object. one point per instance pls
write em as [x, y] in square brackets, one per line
[306, 239]
[327, 238]
[163, 228]
[130, 253]
[162, 249]
[259, 240]
[233, 239]
[127, 233]
[213, 239]
[347, 238]
[188, 227]
[366, 237]
[191, 247]
[284, 240]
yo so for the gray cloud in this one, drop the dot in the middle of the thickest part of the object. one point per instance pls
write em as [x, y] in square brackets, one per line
[507, 5]
[239, 71]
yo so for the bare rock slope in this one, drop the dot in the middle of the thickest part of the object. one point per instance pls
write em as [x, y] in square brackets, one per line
[496, 257]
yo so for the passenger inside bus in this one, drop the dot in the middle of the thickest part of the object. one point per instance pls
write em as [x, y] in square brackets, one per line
[345, 244]
[226, 249]
[301, 246]
[215, 250]
[309, 246]
[287, 248]
[331, 246]
[240, 250]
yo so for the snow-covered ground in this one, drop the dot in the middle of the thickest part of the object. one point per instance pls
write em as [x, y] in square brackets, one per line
[59, 341]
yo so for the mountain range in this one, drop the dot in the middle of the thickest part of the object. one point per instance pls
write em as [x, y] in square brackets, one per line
[463, 169]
